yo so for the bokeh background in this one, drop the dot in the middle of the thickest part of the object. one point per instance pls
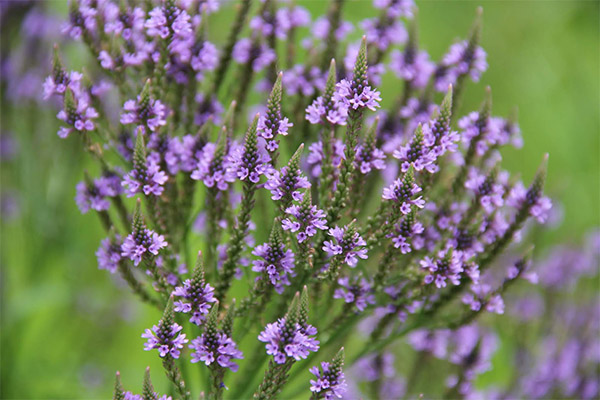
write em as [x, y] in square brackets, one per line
[67, 327]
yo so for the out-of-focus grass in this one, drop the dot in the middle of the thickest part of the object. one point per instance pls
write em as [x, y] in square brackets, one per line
[66, 326]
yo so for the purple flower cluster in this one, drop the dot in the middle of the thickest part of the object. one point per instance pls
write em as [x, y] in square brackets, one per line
[220, 348]
[404, 236]
[79, 117]
[354, 96]
[316, 156]
[60, 81]
[403, 194]
[384, 34]
[109, 254]
[461, 59]
[306, 220]
[539, 206]
[94, 196]
[368, 159]
[139, 244]
[322, 111]
[249, 164]
[329, 383]
[276, 264]
[489, 193]
[303, 80]
[286, 184]
[285, 341]
[144, 113]
[412, 66]
[167, 339]
[359, 292]
[148, 179]
[448, 265]
[260, 55]
[215, 168]
[195, 298]
[347, 245]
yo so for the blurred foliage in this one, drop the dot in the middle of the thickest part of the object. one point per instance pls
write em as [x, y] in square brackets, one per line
[67, 326]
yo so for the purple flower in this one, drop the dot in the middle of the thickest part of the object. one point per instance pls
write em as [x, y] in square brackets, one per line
[539, 206]
[358, 293]
[289, 18]
[208, 109]
[320, 29]
[396, 8]
[109, 254]
[82, 18]
[316, 156]
[356, 96]
[404, 232]
[461, 59]
[94, 196]
[195, 297]
[218, 346]
[259, 54]
[165, 338]
[59, 82]
[447, 266]
[79, 117]
[286, 184]
[139, 244]
[301, 80]
[306, 220]
[214, 166]
[147, 178]
[150, 113]
[487, 191]
[412, 66]
[285, 340]
[403, 192]
[276, 264]
[382, 34]
[249, 164]
[347, 245]
[322, 112]
[369, 158]
[329, 383]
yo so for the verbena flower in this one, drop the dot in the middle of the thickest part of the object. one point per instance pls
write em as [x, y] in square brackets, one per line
[289, 340]
[347, 245]
[144, 113]
[539, 206]
[109, 253]
[403, 192]
[277, 264]
[446, 266]
[260, 55]
[94, 195]
[77, 114]
[216, 348]
[286, 184]
[196, 296]
[166, 338]
[214, 166]
[316, 156]
[147, 179]
[307, 219]
[354, 95]
[330, 382]
[359, 292]
[141, 242]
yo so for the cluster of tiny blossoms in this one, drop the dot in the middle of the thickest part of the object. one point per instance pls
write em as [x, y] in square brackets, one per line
[403, 213]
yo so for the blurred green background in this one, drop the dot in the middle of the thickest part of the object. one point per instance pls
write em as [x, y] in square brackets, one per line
[67, 327]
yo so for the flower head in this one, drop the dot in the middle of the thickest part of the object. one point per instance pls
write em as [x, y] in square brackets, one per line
[330, 382]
